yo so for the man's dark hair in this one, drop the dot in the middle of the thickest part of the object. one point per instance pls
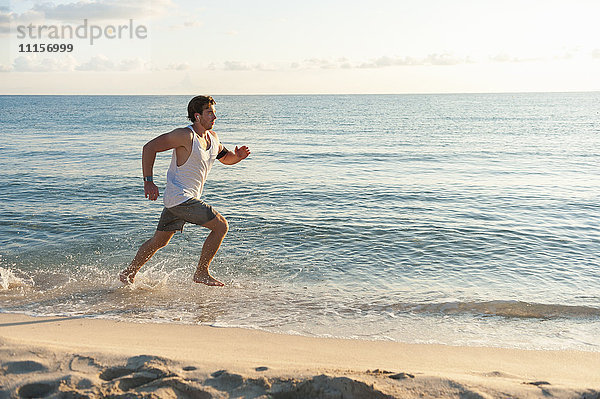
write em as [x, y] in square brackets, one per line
[198, 104]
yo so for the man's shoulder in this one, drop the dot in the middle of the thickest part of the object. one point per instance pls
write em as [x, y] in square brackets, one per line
[182, 133]
[178, 137]
[215, 135]
[182, 130]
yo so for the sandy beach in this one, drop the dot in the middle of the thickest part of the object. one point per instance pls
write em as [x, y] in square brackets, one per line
[83, 357]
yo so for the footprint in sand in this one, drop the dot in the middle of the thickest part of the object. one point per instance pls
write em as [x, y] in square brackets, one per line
[391, 374]
[114, 372]
[84, 364]
[537, 383]
[23, 367]
[37, 389]
[223, 380]
[401, 376]
[217, 374]
[139, 371]
[137, 380]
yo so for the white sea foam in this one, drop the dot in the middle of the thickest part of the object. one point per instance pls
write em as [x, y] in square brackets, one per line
[9, 280]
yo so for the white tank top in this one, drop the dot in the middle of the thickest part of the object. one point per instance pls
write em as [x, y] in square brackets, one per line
[187, 181]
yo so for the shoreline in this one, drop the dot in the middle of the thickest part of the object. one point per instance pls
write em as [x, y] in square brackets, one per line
[75, 354]
[293, 333]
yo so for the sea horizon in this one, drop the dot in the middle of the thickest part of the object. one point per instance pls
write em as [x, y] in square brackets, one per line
[307, 94]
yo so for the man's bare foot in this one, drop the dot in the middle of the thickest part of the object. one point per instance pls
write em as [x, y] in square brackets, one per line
[126, 277]
[204, 277]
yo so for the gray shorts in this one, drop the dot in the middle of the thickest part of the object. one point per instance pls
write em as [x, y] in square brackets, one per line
[192, 211]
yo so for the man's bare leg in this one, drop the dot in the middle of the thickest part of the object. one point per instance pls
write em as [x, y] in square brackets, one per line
[219, 228]
[146, 251]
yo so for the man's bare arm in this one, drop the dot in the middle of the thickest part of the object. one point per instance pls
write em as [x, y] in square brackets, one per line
[233, 157]
[168, 141]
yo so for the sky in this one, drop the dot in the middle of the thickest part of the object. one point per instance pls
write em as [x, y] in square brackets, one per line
[300, 47]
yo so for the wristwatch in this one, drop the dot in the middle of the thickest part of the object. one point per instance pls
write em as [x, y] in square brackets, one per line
[148, 178]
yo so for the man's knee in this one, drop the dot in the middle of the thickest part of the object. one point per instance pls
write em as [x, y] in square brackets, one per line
[218, 225]
[161, 238]
[223, 226]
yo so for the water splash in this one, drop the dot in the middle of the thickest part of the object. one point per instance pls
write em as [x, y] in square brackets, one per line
[9, 280]
[158, 276]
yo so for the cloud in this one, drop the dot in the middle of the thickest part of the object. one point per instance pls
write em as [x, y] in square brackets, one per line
[381, 62]
[503, 57]
[131, 64]
[101, 63]
[386, 61]
[5, 19]
[192, 24]
[236, 66]
[98, 63]
[342, 62]
[80, 10]
[104, 9]
[338, 63]
[186, 25]
[179, 67]
[596, 54]
[506, 58]
[445, 59]
[321, 63]
[434, 59]
[33, 63]
[8, 18]
[243, 66]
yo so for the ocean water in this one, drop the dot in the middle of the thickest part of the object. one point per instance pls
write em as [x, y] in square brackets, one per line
[456, 219]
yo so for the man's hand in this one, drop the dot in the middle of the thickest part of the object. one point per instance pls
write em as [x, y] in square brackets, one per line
[235, 156]
[150, 190]
[242, 152]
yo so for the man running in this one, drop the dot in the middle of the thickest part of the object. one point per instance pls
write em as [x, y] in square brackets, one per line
[195, 149]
